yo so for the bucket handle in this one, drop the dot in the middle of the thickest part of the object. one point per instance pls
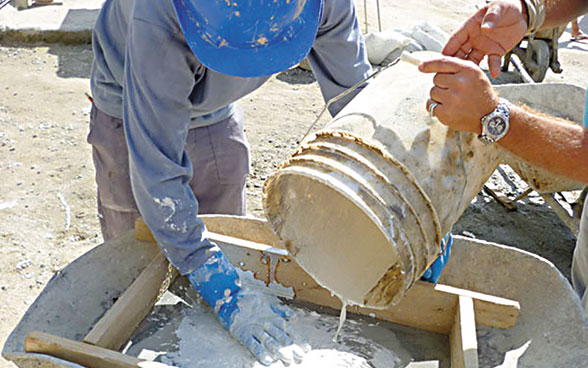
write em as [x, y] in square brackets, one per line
[345, 93]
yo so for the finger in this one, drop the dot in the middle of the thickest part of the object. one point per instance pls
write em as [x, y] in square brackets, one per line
[276, 349]
[282, 310]
[280, 326]
[454, 45]
[462, 35]
[442, 80]
[279, 331]
[439, 109]
[461, 54]
[442, 65]
[493, 16]
[431, 102]
[476, 56]
[293, 346]
[439, 95]
[494, 64]
[466, 47]
[294, 352]
[256, 348]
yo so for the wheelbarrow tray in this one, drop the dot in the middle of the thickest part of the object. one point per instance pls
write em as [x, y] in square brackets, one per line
[550, 330]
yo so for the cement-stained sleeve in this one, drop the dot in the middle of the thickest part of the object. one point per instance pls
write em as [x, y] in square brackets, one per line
[156, 122]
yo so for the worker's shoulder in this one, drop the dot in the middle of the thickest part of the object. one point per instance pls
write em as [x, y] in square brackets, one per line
[156, 12]
[336, 12]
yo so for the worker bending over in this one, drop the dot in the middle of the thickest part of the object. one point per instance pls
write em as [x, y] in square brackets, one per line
[168, 141]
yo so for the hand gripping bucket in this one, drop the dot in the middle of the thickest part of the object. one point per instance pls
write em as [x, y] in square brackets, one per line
[363, 204]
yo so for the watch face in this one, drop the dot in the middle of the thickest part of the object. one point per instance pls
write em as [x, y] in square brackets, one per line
[496, 126]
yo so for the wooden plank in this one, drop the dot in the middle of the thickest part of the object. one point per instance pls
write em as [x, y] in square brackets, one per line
[425, 306]
[81, 353]
[142, 232]
[115, 328]
[462, 338]
[245, 228]
[491, 311]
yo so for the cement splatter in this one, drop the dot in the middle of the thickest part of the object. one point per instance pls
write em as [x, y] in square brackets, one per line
[166, 203]
[202, 342]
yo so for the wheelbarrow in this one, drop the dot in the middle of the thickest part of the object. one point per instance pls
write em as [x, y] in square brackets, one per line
[538, 53]
[545, 327]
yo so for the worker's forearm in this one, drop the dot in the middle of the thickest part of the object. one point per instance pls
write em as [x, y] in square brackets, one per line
[555, 145]
[560, 12]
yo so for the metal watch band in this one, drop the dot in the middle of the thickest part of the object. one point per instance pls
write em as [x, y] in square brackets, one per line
[502, 110]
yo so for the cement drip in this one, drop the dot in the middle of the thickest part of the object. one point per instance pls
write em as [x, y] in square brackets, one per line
[342, 317]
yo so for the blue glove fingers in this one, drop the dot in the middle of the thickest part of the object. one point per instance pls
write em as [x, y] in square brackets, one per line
[299, 341]
[255, 347]
[292, 345]
[282, 310]
[277, 330]
[275, 348]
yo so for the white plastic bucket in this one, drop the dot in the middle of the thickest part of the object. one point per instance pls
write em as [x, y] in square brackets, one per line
[363, 204]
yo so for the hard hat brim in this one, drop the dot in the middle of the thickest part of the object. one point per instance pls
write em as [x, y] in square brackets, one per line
[249, 62]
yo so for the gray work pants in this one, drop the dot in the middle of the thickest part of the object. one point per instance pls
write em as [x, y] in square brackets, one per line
[219, 155]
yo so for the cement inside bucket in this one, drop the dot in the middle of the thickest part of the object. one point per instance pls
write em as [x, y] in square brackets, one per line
[350, 236]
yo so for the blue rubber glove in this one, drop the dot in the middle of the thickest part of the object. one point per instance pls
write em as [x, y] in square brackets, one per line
[256, 320]
[434, 271]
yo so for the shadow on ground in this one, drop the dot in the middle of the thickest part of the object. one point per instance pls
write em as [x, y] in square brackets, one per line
[74, 61]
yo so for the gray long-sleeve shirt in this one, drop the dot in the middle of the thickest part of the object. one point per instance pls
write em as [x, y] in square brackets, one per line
[145, 73]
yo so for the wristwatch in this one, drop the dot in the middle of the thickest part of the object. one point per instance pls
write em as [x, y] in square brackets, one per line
[495, 125]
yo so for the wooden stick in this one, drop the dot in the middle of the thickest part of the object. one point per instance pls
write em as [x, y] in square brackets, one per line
[407, 57]
[463, 340]
[115, 328]
[81, 353]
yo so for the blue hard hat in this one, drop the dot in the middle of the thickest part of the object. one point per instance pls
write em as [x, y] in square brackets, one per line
[249, 38]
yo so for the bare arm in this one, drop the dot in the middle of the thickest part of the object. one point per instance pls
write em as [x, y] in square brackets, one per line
[558, 146]
[464, 95]
[559, 12]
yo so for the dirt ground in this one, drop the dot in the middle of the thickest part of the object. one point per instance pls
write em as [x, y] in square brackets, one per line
[47, 192]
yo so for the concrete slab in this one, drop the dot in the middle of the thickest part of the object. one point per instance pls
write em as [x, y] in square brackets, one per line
[67, 21]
